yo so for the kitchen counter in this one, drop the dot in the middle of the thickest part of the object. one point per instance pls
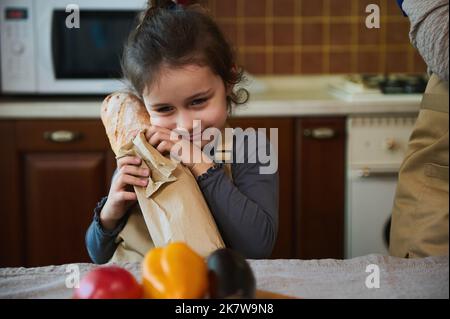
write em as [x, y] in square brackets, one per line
[276, 96]
[325, 278]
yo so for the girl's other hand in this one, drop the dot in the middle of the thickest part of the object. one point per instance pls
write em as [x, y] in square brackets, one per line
[182, 149]
[121, 194]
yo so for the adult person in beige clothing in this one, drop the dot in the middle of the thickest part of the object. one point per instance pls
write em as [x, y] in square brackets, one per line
[421, 205]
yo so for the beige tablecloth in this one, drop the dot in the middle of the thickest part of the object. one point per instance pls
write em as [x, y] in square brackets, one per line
[326, 278]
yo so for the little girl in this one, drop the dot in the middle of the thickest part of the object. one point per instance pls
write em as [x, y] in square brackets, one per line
[179, 63]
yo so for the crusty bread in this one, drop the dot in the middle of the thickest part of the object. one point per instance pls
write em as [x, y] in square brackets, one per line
[123, 115]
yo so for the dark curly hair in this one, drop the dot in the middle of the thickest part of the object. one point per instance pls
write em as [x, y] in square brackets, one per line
[177, 35]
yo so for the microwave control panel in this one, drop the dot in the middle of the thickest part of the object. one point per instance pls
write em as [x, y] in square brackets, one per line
[17, 46]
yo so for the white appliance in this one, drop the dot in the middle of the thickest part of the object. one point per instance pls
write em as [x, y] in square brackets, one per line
[375, 150]
[42, 54]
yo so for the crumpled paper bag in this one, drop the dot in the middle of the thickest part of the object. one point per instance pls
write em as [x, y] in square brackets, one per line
[172, 204]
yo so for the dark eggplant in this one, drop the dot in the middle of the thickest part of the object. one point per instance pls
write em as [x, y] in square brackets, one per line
[230, 275]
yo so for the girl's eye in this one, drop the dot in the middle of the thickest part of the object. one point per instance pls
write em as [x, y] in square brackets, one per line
[164, 109]
[198, 101]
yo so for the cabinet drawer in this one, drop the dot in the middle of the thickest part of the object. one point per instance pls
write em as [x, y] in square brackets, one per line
[61, 135]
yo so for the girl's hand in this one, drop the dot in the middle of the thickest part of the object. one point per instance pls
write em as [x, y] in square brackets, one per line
[181, 149]
[121, 195]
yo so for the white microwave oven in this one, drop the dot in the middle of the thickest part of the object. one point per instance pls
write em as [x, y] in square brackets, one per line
[40, 54]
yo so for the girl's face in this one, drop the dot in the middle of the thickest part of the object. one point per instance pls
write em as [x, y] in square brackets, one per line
[181, 95]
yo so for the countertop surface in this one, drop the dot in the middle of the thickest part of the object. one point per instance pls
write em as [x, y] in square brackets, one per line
[276, 96]
[325, 278]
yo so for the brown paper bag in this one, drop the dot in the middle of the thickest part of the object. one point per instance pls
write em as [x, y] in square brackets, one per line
[172, 206]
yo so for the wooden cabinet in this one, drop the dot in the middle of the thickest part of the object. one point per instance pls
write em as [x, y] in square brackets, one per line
[311, 155]
[12, 230]
[53, 175]
[320, 191]
[53, 172]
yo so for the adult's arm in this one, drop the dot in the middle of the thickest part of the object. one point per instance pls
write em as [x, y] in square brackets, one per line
[429, 32]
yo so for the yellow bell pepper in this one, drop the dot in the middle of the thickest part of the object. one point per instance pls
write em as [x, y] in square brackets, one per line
[174, 272]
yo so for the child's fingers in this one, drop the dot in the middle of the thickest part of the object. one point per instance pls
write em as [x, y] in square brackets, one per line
[124, 179]
[134, 170]
[126, 196]
[158, 137]
[152, 129]
[164, 146]
[128, 160]
[173, 135]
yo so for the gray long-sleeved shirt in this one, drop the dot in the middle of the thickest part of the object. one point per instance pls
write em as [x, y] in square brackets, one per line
[429, 32]
[245, 208]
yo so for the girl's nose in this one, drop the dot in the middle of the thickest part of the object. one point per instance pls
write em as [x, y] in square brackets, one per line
[184, 121]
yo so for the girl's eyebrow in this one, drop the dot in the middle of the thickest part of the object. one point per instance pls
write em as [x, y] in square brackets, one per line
[196, 95]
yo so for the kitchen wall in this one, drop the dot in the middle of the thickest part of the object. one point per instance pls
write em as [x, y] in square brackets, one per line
[317, 36]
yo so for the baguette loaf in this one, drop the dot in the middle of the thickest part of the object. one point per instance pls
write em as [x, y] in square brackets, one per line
[123, 116]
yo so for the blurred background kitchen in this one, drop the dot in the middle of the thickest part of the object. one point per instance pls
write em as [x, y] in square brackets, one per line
[343, 97]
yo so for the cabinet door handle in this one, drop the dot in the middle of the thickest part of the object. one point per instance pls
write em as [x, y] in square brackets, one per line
[62, 136]
[320, 133]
